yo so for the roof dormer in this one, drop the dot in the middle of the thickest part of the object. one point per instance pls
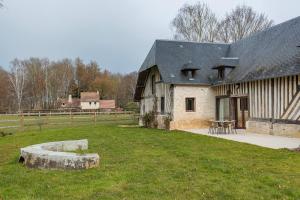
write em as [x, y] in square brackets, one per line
[225, 65]
[189, 70]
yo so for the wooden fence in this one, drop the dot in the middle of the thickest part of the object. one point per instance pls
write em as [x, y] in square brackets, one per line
[43, 119]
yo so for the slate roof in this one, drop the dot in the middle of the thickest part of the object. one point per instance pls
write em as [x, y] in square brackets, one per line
[171, 56]
[270, 53]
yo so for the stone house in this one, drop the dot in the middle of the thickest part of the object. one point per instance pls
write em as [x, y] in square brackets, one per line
[254, 81]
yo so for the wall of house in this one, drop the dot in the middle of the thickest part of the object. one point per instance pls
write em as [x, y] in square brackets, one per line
[88, 106]
[204, 107]
[148, 99]
[276, 100]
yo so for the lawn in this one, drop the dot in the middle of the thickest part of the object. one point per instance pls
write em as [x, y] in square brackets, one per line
[139, 163]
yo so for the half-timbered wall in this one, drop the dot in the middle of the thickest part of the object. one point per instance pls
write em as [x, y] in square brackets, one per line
[276, 98]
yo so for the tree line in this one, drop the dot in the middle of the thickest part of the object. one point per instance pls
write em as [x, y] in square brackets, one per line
[37, 83]
[197, 22]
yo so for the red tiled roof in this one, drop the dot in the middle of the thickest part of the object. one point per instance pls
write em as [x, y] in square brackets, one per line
[107, 104]
[89, 96]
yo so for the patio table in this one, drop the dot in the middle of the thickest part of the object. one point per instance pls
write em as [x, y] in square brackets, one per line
[222, 126]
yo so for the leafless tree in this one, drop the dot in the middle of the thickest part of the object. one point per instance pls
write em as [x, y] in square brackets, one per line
[241, 22]
[195, 23]
[60, 76]
[17, 80]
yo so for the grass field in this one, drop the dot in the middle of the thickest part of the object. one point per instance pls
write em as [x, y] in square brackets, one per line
[138, 163]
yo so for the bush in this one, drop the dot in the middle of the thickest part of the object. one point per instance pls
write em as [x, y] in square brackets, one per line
[167, 121]
[3, 134]
[149, 120]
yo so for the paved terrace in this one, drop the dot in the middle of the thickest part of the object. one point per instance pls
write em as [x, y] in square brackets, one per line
[269, 141]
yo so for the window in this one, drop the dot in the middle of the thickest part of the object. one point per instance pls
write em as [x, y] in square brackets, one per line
[95, 103]
[162, 105]
[190, 104]
[244, 104]
[90, 103]
[153, 84]
[221, 73]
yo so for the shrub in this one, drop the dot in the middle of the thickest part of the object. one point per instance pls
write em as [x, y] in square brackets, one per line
[149, 120]
[167, 121]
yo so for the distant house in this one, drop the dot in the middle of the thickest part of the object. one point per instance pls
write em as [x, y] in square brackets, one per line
[89, 100]
[254, 81]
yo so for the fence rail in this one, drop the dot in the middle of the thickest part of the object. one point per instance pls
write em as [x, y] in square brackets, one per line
[42, 119]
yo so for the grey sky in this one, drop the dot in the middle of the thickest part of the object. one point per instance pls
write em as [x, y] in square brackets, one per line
[116, 33]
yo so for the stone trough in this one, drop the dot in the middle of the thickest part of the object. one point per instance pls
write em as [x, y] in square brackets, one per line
[52, 156]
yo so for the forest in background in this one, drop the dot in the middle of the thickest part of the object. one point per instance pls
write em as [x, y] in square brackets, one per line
[36, 84]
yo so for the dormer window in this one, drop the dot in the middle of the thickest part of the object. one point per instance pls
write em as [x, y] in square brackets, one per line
[189, 70]
[225, 66]
[221, 73]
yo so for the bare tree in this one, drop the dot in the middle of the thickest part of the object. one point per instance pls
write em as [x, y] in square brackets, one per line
[60, 77]
[241, 22]
[195, 23]
[17, 80]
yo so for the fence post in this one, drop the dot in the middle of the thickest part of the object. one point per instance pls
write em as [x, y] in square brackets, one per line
[94, 117]
[21, 121]
[40, 122]
[71, 117]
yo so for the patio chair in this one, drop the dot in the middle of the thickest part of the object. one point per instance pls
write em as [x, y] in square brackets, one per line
[214, 127]
[232, 126]
[226, 127]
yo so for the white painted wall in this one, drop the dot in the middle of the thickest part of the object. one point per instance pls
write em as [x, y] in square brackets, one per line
[87, 106]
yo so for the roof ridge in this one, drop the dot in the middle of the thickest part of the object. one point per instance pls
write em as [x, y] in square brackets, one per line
[194, 42]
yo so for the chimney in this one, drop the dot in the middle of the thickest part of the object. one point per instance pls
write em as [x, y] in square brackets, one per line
[70, 99]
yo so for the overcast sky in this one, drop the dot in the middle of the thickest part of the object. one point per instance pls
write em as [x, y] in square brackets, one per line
[116, 33]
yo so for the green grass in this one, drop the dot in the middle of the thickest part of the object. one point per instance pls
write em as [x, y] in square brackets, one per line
[138, 163]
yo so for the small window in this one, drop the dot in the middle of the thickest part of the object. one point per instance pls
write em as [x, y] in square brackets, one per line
[63, 104]
[162, 105]
[95, 103]
[90, 103]
[153, 84]
[190, 104]
[221, 73]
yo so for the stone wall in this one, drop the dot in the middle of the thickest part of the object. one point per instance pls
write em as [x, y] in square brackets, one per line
[266, 127]
[52, 156]
[205, 107]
